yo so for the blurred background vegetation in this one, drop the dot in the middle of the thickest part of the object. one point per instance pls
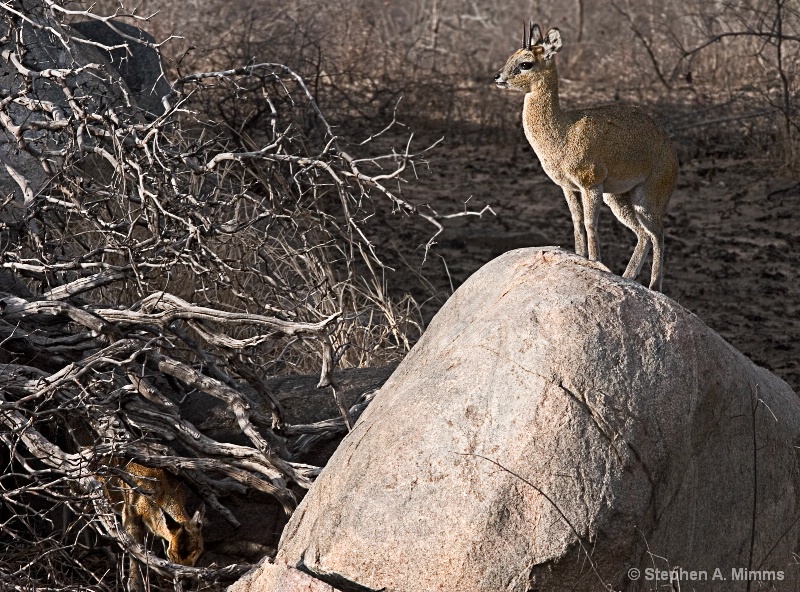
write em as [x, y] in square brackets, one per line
[722, 75]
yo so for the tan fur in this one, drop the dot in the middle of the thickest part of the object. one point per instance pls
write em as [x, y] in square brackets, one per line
[155, 500]
[612, 153]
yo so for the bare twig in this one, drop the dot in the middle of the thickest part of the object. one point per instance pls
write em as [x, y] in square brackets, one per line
[158, 259]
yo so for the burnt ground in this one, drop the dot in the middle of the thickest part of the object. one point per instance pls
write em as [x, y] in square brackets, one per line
[732, 244]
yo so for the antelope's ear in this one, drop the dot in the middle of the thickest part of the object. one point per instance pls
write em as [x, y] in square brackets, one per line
[197, 519]
[552, 43]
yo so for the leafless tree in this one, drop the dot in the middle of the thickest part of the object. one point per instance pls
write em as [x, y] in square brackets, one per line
[150, 258]
[740, 49]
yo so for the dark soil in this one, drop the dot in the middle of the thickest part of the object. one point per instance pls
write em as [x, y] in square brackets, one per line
[732, 245]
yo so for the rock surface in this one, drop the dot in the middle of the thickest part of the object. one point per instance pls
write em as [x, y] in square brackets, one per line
[46, 47]
[645, 441]
[281, 579]
[139, 64]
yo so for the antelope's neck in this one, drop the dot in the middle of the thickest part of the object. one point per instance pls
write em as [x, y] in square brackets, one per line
[542, 117]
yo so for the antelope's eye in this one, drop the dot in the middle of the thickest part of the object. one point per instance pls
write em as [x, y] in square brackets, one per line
[526, 66]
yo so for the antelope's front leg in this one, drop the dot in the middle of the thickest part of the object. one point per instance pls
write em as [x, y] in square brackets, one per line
[576, 209]
[592, 198]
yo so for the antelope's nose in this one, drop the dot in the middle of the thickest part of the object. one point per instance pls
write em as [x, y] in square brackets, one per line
[497, 77]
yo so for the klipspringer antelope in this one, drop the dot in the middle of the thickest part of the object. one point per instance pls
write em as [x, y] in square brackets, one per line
[155, 500]
[612, 153]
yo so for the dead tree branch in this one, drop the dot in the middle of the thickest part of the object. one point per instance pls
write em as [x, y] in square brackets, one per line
[147, 260]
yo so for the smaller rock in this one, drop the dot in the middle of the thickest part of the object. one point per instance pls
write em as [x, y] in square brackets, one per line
[140, 66]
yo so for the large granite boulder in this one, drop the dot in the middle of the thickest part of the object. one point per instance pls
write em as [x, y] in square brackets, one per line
[558, 428]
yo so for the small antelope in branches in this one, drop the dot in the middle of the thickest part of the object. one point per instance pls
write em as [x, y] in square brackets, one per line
[612, 153]
[155, 500]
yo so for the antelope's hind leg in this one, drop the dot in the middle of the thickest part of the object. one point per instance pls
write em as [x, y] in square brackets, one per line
[624, 211]
[655, 232]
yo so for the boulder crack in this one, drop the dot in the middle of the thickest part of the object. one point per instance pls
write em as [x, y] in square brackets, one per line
[335, 580]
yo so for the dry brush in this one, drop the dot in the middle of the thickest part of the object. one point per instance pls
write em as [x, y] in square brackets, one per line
[147, 258]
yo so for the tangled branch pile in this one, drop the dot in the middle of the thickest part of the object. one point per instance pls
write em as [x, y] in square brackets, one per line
[147, 257]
